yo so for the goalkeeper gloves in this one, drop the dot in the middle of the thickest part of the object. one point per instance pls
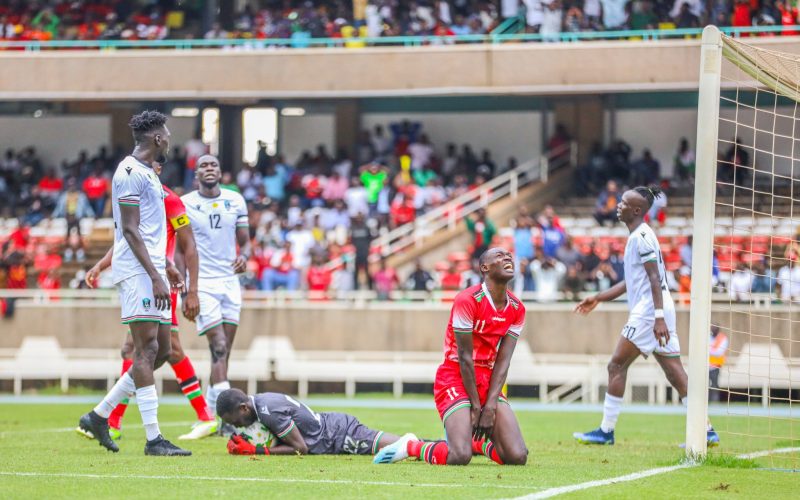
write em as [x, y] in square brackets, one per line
[237, 445]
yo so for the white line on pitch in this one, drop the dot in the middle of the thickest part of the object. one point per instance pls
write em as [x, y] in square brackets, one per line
[560, 490]
[764, 453]
[254, 480]
[603, 482]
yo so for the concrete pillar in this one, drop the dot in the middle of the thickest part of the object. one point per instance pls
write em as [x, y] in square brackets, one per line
[227, 14]
[230, 137]
[348, 124]
[583, 118]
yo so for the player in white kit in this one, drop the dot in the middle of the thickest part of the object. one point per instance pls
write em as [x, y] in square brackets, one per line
[651, 323]
[140, 268]
[219, 221]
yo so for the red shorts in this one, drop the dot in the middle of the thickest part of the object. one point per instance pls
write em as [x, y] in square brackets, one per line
[448, 389]
[173, 298]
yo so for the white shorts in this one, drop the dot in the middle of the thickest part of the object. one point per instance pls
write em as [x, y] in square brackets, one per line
[639, 330]
[138, 303]
[220, 302]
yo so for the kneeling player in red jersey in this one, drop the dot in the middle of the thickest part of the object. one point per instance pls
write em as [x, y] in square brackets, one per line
[485, 322]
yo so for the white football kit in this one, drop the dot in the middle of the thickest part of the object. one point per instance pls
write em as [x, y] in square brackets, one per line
[643, 247]
[214, 222]
[136, 184]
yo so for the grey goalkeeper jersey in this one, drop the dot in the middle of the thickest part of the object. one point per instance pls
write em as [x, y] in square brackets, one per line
[324, 433]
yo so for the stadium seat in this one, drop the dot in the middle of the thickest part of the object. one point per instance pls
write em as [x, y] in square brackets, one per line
[760, 365]
[38, 358]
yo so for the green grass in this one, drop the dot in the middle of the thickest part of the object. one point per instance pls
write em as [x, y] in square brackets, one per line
[38, 439]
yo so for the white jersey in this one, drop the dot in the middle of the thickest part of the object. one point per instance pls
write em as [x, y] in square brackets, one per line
[643, 247]
[214, 222]
[136, 184]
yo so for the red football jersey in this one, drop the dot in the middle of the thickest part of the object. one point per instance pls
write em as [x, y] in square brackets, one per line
[176, 218]
[474, 314]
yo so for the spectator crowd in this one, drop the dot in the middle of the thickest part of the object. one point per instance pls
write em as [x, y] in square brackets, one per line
[324, 208]
[303, 214]
[301, 20]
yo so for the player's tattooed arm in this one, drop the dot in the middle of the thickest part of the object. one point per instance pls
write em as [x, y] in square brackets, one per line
[588, 304]
[467, 365]
[243, 239]
[660, 329]
[188, 262]
[130, 218]
[290, 444]
[102, 264]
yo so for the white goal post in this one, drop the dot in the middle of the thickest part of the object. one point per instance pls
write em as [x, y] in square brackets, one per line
[702, 248]
[747, 219]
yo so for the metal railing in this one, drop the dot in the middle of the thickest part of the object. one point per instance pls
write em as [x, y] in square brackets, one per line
[450, 214]
[403, 41]
[353, 298]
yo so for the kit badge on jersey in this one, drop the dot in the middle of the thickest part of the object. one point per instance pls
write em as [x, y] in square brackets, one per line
[227, 204]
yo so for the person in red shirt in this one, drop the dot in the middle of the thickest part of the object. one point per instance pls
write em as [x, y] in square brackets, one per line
[49, 280]
[742, 15]
[95, 187]
[50, 185]
[485, 322]
[314, 184]
[16, 271]
[282, 270]
[18, 239]
[177, 224]
[319, 278]
[788, 17]
[402, 210]
[451, 280]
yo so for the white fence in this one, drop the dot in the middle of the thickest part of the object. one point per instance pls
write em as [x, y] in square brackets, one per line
[558, 377]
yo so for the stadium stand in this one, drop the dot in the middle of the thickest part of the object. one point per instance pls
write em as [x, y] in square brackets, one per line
[298, 21]
[304, 208]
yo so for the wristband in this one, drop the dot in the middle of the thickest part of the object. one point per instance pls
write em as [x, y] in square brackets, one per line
[659, 314]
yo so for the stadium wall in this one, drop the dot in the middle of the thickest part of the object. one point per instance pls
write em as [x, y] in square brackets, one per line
[388, 71]
[47, 134]
[63, 137]
[551, 328]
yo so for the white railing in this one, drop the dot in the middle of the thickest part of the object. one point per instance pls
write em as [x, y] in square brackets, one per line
[448, 215]
[256, 298]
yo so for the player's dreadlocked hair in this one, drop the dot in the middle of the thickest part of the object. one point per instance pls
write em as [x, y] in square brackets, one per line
[649, 193]
[145, 122]
[229, 400]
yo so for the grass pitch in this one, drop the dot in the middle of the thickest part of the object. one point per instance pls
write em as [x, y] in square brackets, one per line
[41, 457]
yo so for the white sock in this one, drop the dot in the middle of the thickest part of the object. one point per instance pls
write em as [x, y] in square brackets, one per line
[214, 391]
[121, 390]
[611, 408]
[147, 401]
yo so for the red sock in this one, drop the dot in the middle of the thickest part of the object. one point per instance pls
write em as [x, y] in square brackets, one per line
[116, 415]
[190, 387]
[488, 450]
[432, 452]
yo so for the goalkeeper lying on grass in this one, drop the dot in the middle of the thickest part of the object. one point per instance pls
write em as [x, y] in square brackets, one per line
[297, 427]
